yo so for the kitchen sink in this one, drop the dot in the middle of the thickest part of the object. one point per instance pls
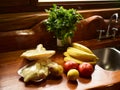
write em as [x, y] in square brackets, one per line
[109, 58]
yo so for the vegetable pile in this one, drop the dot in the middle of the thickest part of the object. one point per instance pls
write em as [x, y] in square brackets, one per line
[41, 67]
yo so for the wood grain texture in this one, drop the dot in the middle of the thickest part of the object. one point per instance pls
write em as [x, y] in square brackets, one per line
[25, 30]
[10, 63]
[17, 6]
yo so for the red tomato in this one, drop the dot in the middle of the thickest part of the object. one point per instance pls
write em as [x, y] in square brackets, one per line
[70, 65]
[85, 69]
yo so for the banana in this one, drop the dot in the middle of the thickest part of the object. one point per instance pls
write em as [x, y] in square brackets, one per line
[66, 54]
[68, 58]
[81, 55]
[82, 47]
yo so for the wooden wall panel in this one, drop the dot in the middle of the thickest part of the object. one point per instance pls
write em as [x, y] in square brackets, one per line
[13, 6]
[18, 6]
[8, 3]
[13, 35]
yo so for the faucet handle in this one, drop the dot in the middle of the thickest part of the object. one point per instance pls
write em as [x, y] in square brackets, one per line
[114, 31]
[100, 34]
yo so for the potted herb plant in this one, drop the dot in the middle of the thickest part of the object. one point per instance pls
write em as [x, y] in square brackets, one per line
[62, 22]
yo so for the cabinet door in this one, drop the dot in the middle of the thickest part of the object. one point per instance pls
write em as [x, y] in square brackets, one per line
[8, 6]
[8, 3]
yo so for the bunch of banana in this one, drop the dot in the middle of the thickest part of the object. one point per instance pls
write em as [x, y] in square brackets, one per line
[80, 53]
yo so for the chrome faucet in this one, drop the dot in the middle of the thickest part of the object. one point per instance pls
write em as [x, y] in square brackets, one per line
[114, 29]
[114, 16]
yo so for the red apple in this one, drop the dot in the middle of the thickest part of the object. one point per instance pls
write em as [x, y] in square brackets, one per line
[70, 65]
[86, 69]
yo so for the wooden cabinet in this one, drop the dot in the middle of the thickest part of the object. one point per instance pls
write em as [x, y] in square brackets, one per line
[13, 6]
[8, 6]
[8, 3]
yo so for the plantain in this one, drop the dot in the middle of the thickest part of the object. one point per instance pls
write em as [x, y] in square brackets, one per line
[81, 55]
[82, 47]
[68, 58]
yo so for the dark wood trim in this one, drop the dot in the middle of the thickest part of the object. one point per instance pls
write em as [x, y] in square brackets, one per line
[33, 2]
[33, 5]
[81, 5]
[17, 9]
[18, 6]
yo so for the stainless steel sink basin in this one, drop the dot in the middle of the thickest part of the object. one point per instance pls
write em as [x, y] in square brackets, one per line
[109, 58]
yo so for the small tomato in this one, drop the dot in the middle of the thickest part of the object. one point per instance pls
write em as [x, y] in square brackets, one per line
[70, 65]
[85, 69]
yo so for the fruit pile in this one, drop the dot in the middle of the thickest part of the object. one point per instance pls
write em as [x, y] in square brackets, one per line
[79, 61]
[74, 70]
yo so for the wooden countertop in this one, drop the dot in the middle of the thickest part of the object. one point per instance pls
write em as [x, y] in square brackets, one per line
[10, 62]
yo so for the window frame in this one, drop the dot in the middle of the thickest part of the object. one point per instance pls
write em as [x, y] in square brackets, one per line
[81, 5]
[35, 6]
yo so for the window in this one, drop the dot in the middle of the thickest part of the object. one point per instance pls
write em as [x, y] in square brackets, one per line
[71, 0]
[40, 5]
[80, 4]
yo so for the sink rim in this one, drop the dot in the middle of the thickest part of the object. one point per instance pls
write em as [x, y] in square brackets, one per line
[108, 58]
